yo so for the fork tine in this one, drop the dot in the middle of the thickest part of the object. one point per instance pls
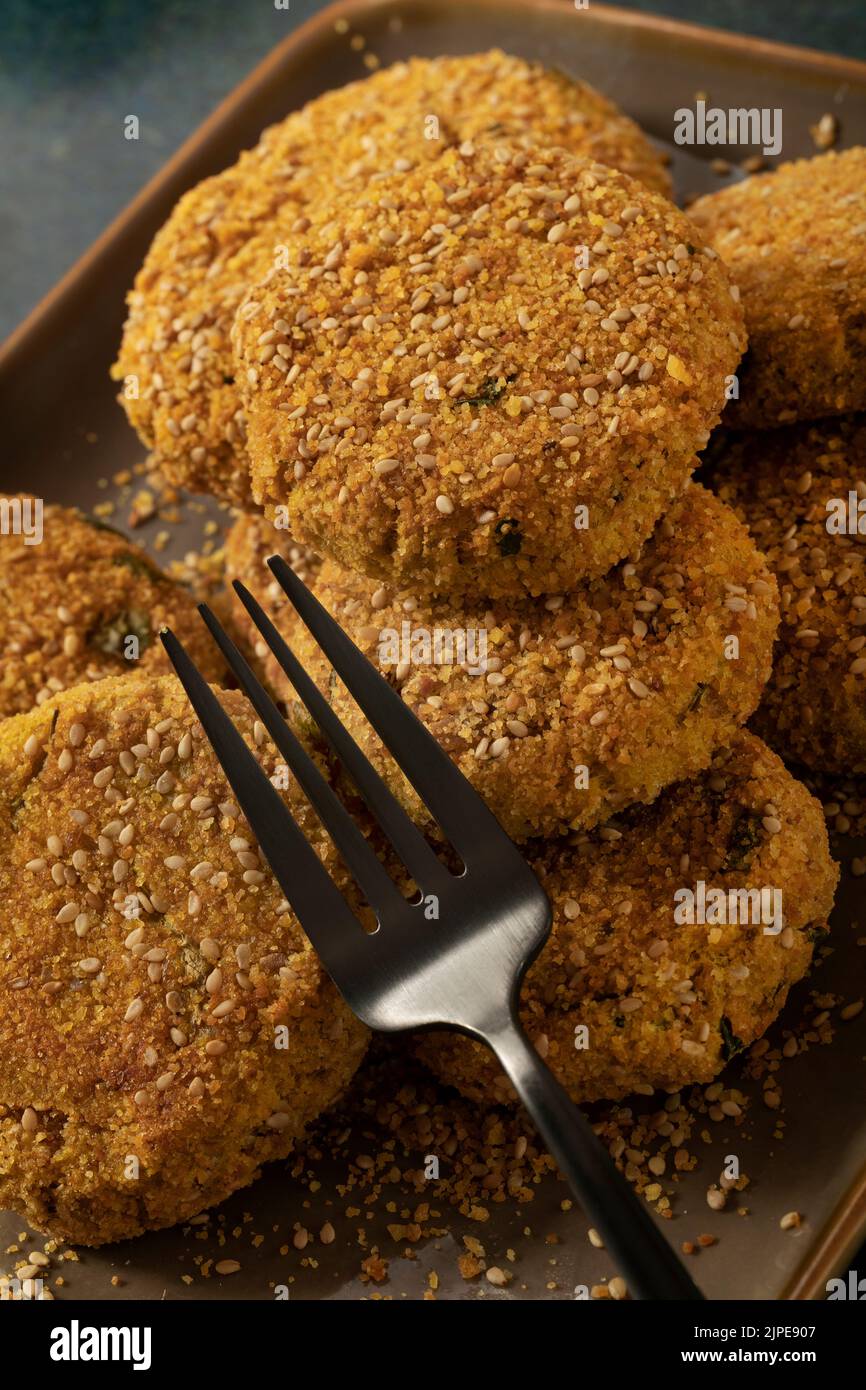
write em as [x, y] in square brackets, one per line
[407, 840]
[378, 888]
[453, 802]
[320, 907]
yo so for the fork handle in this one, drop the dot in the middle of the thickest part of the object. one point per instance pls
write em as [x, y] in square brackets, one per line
[650, 1267]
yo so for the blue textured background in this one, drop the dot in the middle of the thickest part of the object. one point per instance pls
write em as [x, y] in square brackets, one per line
[69, 73]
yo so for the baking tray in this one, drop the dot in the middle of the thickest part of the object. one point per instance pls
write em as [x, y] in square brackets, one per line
[64, 436]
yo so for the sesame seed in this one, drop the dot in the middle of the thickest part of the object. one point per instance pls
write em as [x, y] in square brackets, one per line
[29, 1120]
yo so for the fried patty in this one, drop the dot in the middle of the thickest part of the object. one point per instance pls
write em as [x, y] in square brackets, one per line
[561, 711]
[802, 492]
[175, 360]
[665, 1002]
[165, 1026]
[492, 375]
[84, 603]
[795, 241]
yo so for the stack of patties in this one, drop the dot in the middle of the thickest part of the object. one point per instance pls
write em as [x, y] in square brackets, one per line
[165, 1025]
[795, 470]
[478, 388]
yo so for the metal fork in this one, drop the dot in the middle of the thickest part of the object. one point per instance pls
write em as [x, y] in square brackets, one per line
[461, 972]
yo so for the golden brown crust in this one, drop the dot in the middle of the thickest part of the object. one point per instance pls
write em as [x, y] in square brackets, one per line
[151, 1037]
[69, 603]
[438, 394]
[665, 1002]
[627, 677]
[225, 233]
[795, 241]
[780, 483]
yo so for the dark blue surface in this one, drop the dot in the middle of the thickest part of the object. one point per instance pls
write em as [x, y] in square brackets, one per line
[70, 73]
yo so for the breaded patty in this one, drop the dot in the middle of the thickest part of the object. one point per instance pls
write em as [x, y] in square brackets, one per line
[492, 376]
[566, 709]
[795, 241]
[230, 229]
[248, 545]
[665, 1001]
[165, 1026]
[70, 604]
[801, 490]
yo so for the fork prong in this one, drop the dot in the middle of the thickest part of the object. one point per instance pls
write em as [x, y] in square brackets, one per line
[453, 802]
[413, 849]
[379, 890]
[320, 907]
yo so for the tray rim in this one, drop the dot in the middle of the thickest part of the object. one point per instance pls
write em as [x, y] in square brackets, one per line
[837, 1241]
